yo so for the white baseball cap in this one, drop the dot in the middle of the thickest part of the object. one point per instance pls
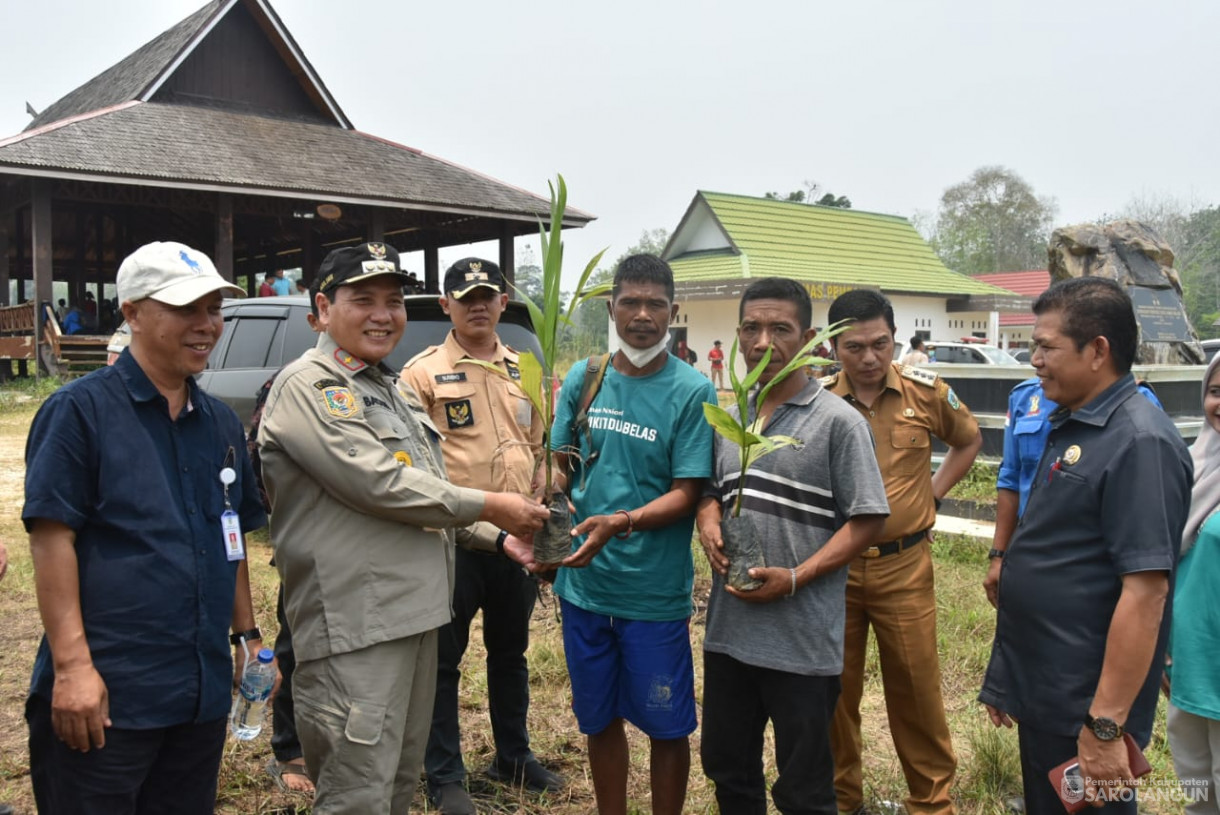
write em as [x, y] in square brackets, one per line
[171, 273]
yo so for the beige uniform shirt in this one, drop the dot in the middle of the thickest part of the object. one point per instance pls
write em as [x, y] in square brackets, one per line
[493, 435]
[362, 509]
[914, 406]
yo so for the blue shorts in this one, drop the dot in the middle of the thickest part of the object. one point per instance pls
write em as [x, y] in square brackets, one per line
[638, 670]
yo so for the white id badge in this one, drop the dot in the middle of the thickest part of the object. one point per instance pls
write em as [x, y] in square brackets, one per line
[235, 546]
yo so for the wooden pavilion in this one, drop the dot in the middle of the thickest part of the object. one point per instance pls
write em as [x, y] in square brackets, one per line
[219, 133]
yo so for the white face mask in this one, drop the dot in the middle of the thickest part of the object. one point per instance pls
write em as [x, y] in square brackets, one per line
[639, 357]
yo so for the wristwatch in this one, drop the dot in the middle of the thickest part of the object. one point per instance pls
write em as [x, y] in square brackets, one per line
[1104, 729]
[248, 635]
[995, 553]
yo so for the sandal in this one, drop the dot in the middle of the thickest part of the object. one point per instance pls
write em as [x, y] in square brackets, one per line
[278, 769]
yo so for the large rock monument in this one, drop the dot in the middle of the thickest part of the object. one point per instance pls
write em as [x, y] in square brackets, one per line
[1132, 253]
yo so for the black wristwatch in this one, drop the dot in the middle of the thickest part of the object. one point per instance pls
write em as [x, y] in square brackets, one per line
[252, 634]
[1104, 729]
[995, 553]
[503, 536]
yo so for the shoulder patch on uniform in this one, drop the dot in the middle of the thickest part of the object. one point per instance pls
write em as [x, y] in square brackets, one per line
[918, 375]
[513, 370]
[952, 399]
[427, 352]
[340, 402]
[829, 381]
[348, 361]
[323, 384]
[459, 414]
[455, 376]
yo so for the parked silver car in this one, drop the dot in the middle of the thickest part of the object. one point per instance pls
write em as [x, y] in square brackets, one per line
[262, 334]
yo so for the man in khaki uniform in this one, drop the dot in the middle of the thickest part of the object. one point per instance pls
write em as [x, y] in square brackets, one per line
[363, 537]
[890, 586]
[493, 437]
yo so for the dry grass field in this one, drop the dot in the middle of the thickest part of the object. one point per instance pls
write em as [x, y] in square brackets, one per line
[988, 771]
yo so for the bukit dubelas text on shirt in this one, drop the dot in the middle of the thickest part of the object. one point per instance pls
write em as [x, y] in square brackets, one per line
[599, 420]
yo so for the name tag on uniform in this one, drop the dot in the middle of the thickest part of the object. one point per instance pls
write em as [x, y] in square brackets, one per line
[444, 379]
[235, 545]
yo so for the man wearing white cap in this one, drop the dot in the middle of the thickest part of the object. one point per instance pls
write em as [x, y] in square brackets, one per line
[138, 492]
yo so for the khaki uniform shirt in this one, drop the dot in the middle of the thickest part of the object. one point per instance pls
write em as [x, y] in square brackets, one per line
[914, 406]
[362, 509]
[493, 435]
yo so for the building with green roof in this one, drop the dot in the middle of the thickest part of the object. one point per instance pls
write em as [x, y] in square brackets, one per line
[724, 241]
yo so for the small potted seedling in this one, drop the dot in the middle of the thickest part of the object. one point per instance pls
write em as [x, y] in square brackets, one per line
[554, 541]
[742, 546]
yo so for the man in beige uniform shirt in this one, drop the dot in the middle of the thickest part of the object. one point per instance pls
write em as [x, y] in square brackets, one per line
[363, 537]
[890, 586]
[493, 438]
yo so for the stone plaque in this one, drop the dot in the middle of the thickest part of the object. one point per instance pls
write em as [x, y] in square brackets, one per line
[1160, 315]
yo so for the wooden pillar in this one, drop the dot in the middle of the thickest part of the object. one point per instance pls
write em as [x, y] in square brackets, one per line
[432, 270]
[19, 245]
[309, 253]
[223, 255]
[4, 273]
[40, 237]
[508, 253]
[377, 225]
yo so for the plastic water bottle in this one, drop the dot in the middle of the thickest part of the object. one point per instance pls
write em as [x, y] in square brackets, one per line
[246, 718]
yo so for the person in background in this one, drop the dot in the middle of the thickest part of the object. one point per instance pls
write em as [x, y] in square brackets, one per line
[916, 355]
[716, 358]
[1193, 662]
[493, 438]
[61, 311]
[891, 587]
[265, 288]
[281, 285]
[302, 286]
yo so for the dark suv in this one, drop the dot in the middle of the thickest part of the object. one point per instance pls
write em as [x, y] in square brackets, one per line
[263, 334]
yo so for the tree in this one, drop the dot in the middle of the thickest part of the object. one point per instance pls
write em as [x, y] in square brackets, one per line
[528, 279]
[589, 333]
[993, 222]
[807, 195]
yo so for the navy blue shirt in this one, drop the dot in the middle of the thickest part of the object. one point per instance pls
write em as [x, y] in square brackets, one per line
[1110, 498]
[144, 497]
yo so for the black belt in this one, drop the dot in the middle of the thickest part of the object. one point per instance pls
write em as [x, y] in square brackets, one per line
[894, 547]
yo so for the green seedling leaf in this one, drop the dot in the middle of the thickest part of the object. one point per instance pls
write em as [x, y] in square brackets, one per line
[724, 423]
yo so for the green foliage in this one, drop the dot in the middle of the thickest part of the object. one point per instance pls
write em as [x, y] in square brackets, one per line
[978, 484]
[547, 317]
[747, 435]
[993, 222]
[808, 195]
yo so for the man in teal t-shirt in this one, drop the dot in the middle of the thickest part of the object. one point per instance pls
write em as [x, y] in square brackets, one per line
[626, 589]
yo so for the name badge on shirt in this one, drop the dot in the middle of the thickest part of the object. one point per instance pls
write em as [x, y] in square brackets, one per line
[230, 525]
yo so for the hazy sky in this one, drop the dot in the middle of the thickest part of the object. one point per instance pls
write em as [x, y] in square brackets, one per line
[640, 104]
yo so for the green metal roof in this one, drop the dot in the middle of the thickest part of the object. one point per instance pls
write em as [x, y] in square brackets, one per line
[817, 244]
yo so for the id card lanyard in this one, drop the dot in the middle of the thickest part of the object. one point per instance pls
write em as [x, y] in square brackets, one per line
[230, 525]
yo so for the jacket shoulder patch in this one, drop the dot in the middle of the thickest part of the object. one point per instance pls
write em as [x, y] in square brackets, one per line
[925, 378]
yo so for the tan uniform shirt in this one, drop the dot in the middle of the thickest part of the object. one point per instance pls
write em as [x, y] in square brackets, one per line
[362, 509]
[493, 435]
[914, 406]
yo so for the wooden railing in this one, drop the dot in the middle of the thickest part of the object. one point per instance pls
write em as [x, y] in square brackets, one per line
[70, 354]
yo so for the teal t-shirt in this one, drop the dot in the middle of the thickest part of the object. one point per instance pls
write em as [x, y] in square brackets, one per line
[648, 430]
[1194, 640]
